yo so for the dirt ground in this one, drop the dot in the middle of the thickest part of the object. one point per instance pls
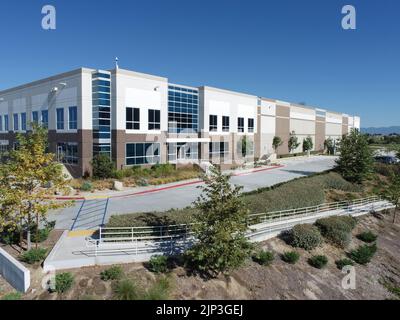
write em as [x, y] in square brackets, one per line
[279, 281]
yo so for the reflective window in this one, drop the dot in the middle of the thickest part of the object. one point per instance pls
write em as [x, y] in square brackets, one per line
[240, 124]
[60, 119]
[23, 121]
[132, 118]
[16, 123]
[218, 149]
[35, 117]
[1, 123]
[225, 123]
[154, 119]
[250, 125]
[183, 151]
[73, 118]
[67, 152]
[213, 123]
[142, 153]
[6, 122]
[45, 118]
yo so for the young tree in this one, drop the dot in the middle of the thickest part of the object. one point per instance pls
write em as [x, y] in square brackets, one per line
[103, 167]
[276, 143]
[293, 142]
[355, 162]
[392, 193]
[308, 144]
[30, 178]
[246, 146]
[220, 227]
[329, 146]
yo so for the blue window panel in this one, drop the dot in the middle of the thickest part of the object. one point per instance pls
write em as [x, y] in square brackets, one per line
[73, 118]
[23, 121]
[6, 127]
[101, 83]
[16, 124]
[101, 96]
[101, 75]
[60, 119]
[45, 118]
[1, 123]
[35, 117]
[101, 89]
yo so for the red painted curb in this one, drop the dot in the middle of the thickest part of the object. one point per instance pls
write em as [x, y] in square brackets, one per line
[169, 187]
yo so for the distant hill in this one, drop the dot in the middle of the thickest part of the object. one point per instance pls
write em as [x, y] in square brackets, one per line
[382, 130]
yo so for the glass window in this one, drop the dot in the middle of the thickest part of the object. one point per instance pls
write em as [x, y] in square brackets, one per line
[218, 149]
[73, 118]
[45, 118]
[142, 153]
[240, 124]
[213, 123]
[250, 125]
[35, 117]
[1, 123]
[67, 153]
[16, 124]
[60, 119]
[132, 118]
[23, 121]
[154, 119]
[225, 123]
[6, 122]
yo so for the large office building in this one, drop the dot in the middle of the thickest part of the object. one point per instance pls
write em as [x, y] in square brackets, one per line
[142, 119]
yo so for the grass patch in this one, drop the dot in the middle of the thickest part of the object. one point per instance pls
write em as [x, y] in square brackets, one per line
[34, 256]
[318, 261]
[127, 289]
[12, 296]
[112, 273]
[263, 258]
[363, 254]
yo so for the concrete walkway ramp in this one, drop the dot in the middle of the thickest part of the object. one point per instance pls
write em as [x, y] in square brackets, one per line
[91, 214]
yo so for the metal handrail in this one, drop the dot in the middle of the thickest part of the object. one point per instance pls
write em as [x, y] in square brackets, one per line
[106, 234]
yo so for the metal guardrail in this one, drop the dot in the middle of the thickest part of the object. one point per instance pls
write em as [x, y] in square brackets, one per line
[179, 231]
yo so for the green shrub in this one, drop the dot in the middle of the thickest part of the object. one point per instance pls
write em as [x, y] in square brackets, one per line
[127, 290]
[162, 170]
[12, 296]
[367, 236]
[340, 264]
[158, 264]
[159, 290]
[305, 236]
[113, 273]
[103, 167]
[142, 182]
[291, 257]
[34, 255]
[264, 258]
[118, 174]
[363, 254]
[318, 261]
[64, 282]
[337, 229]
[87, 186]
[43, 233]
[9, 236]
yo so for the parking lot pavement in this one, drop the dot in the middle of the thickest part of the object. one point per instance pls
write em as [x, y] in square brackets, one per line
[181, 197]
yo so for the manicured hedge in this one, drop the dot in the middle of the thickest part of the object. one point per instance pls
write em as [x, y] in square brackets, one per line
[306, 236]
[337, 229]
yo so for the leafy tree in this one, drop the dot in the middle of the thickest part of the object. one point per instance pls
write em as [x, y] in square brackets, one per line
[355, 162]
[220, 227]
[276, 143]
[103, 167]
[293, 142]
[29, 180]
[308, 144]
[329, 146]
[392, 193]
[246, 146]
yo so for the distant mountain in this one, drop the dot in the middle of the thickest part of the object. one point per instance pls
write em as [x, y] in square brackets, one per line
[382, 130]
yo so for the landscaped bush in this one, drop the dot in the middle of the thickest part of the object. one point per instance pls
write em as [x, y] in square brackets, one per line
[126, 290]
[34, 255]
[64, 282]
[291, 257]
[337, 229]
[163, 170]
[103, 167]
[318, 262]
[340, 264]
[264, 258]
[363, 254]
[367, 236]
[306, 236]
[113, 273]
[9, 236]
[158, 264]
[86, 186]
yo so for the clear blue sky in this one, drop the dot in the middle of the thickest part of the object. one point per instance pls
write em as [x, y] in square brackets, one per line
[292, 50]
